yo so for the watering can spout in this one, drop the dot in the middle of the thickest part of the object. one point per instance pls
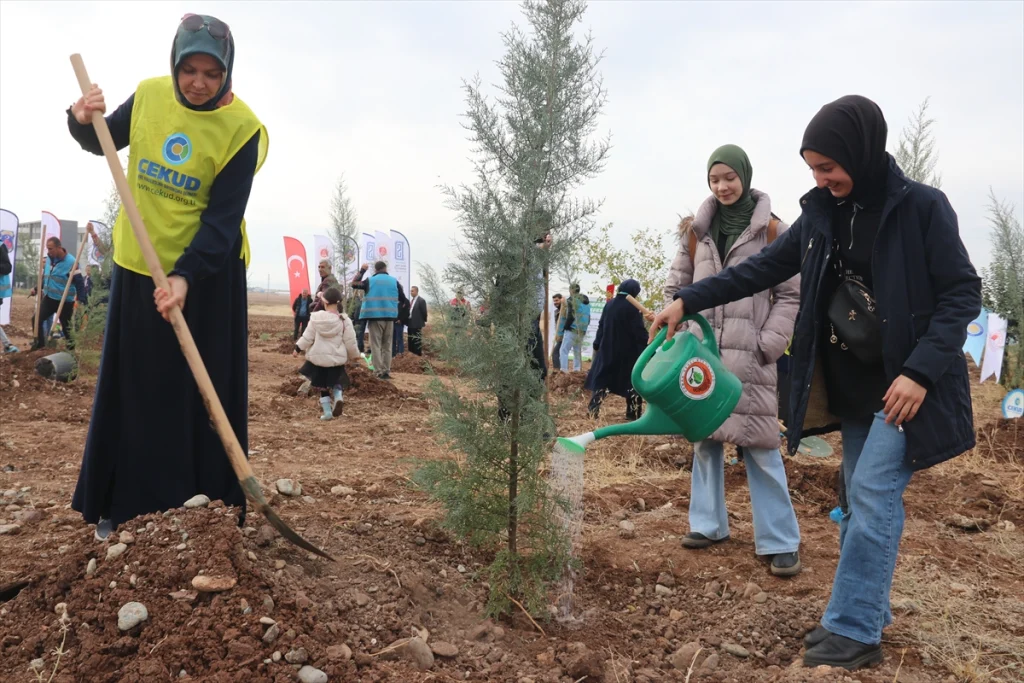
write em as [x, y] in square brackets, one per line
[653, 422]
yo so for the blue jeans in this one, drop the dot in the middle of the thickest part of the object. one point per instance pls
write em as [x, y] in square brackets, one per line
[572, 342]
[876, 474]
[775, 527]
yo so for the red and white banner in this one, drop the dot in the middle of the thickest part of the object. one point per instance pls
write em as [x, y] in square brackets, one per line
[298, 272]
[995, 345]
[9, 236]
[385, 251]
[51, 228]
[323, 249]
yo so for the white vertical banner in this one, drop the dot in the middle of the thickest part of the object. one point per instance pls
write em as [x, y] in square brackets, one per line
[596, 309]
[368, 254]
[9, 236]
[995, 345]
[384, 253]
[51, 227]
[401, 260]
[95, 255]
[323, 250]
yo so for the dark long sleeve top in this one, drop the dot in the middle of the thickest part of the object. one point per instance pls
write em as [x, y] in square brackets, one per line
[219, 236]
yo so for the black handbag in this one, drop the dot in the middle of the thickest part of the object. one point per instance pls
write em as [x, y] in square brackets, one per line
[854, 319]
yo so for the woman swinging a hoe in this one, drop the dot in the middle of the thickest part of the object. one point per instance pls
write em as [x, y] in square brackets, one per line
[194, 149]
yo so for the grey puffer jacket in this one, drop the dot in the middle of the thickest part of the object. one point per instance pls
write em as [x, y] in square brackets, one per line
[752, 333]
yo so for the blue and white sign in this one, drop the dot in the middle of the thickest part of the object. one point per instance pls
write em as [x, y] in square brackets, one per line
[1013, 404]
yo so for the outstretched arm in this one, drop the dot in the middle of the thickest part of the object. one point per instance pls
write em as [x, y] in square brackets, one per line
[777, 263]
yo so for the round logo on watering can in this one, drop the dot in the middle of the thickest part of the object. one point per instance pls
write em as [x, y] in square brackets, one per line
[697, 380]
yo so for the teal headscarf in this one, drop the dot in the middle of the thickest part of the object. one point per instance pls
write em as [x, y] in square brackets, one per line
[734, 219]
[188, 43]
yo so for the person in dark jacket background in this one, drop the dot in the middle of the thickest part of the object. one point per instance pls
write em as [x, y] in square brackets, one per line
[867, 222]
[620, 339]
[302, 307]
[417, 320]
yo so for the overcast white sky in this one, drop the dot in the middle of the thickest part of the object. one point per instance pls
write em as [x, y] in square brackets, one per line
[373, 90]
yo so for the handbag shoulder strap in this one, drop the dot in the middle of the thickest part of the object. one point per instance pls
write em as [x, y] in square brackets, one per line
[693, 247]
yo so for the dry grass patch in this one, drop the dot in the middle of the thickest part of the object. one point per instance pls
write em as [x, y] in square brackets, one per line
[965, 622]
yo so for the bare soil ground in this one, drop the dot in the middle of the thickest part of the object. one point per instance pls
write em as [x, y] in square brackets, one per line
[719, 615]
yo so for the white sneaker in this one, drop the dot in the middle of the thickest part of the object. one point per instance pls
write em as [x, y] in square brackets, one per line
[103, 529]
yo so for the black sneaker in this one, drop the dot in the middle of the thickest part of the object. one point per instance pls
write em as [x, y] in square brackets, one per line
[786, 564]
[816, 636]
[696, 541]
[849, 654]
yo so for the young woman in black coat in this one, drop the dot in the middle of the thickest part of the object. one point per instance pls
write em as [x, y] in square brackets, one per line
[887, 291]
[620, 339]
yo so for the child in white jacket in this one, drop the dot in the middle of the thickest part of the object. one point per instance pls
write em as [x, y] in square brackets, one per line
[329, 341]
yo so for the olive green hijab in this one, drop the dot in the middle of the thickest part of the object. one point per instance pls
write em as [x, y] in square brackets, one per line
[732, 220]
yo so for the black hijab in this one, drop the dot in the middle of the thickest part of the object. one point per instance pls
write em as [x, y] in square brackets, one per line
[201, 42]
[852, 131]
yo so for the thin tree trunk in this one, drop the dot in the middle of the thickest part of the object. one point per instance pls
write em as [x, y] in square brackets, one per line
[513, 475]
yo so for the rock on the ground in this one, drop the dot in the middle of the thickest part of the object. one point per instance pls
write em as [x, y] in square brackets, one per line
[289, 487]
[297, 656]
[582, 663]
[199, 501]
[115, 551]
[308, 674]
[627, 529]
[751, 589]
[683, 657]
[419, 654]
[213, 584]
[131, 615]
[362, 599]
[126, 537]
[666, 579]
[736, 650]
[30, 516]
[343, 491]
[90, 568]
[618, 669]
[443, 649]
[711, 663]
[272, 633]
[339, 653]
[662, 591]
[9, 529]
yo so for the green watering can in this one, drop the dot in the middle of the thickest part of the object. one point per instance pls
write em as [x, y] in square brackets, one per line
[687, 388]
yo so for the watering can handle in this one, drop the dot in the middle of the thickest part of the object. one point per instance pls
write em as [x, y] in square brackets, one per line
[645, 357]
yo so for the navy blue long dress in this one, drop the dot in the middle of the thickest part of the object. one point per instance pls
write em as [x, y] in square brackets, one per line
[620, 339]
[151, 445]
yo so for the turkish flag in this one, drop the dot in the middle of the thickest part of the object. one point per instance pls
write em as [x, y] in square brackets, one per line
[298, 274]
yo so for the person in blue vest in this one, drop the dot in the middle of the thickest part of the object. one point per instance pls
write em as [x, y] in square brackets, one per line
[379, 310]
[573, 321]
[5, 293]
[58, 267]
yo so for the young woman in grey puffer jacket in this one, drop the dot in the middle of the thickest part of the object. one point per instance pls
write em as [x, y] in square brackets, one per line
[733, 224]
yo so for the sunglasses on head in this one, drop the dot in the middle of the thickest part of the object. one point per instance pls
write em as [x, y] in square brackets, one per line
[215, 27]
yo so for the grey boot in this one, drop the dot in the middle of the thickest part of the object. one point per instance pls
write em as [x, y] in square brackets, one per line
[325, 403]
[337, 402]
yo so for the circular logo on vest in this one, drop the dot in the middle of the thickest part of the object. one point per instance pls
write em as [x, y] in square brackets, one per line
[697, 380]
[975, 330]
[177, 148]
